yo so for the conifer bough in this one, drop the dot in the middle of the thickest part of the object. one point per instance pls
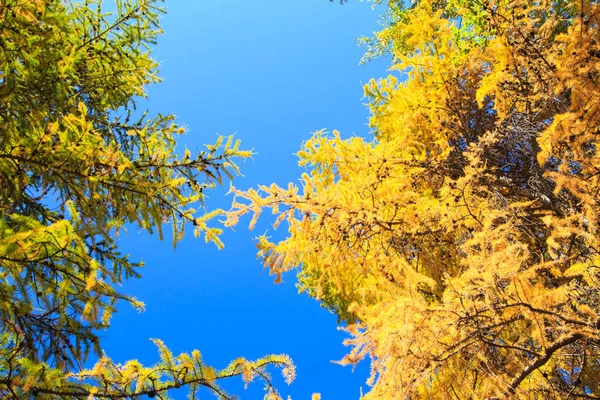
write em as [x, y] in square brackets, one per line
[77, 165]
[460, 242]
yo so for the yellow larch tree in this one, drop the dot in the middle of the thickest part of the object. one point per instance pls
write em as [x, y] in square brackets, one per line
[460, 242]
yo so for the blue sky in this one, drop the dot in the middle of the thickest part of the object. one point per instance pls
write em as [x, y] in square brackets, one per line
[271, 71]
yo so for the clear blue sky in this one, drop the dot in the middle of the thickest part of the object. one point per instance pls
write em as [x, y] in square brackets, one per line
[272, 71]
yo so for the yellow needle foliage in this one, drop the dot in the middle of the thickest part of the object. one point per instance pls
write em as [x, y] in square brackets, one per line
[460, 243]
[78, 165]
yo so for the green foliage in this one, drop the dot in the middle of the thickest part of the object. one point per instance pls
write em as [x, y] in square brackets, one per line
[78, 165]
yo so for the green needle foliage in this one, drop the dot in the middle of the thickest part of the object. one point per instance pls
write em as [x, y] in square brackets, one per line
[77, 165]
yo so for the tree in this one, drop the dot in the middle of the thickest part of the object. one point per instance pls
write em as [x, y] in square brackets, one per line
[461, 242]
[78, 164]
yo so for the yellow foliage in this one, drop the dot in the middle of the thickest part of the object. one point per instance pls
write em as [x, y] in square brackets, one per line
[461, 242]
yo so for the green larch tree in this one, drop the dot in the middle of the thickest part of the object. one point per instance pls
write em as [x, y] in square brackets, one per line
[78, 163]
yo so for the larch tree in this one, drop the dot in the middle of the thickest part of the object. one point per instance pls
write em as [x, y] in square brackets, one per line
[77, 165]
[460, 242]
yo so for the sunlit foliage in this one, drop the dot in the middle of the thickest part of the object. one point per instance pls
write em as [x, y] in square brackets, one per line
[460, 242]
[78, 165]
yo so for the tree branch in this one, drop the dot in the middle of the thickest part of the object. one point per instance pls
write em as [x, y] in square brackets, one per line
[565, 341]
